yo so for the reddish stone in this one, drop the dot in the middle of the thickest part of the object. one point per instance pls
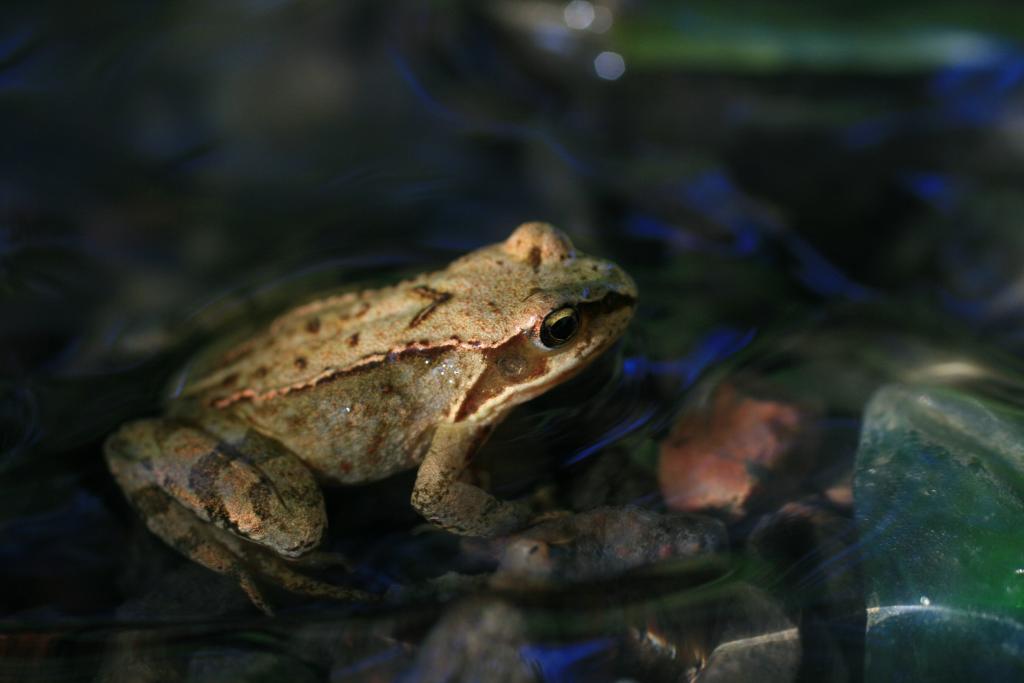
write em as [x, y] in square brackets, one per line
[719, 458]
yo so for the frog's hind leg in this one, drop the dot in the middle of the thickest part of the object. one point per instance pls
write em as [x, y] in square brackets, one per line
[180, 529]
[203, 495]
[280, 571]
[226, 554]
[250, 485]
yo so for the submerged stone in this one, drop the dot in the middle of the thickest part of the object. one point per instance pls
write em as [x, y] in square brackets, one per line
[603, 544]
[939, 497]
[756, 640]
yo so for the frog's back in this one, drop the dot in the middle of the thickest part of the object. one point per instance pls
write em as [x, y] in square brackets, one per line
[314, 342]
[292, 350]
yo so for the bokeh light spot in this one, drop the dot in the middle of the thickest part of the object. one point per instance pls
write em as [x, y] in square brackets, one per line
[610, 66]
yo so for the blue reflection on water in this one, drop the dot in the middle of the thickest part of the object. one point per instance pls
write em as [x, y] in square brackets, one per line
[965, 95]
[15, 72]
[715, 346]
[18, 76]
[611, 436]
[979, 81]
[714, 196]
[556, 661]
[971, 309]
[14, 39]
[820, 276]
[936, 189]
[645, 226]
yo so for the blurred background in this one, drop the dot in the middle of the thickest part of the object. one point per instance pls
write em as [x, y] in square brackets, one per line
[814, 200]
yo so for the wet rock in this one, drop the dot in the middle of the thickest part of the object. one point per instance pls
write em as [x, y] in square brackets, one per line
[726, 455]
[604, 543]
[755, 641]
[939, 493]
[767, 658]
[477, 640]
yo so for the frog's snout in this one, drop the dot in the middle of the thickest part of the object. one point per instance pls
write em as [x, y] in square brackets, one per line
[620, 289]
[626, 286]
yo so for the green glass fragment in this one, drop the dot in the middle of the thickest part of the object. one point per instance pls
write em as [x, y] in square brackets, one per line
[939, 491]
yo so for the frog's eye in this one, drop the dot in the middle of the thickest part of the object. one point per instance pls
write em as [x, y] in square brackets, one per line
[559, 326]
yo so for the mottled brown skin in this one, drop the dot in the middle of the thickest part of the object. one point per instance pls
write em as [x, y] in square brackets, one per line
[353, 388]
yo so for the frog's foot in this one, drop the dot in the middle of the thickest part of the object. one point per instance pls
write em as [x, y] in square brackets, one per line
[198, 541]
[320, 559]
[277, 570]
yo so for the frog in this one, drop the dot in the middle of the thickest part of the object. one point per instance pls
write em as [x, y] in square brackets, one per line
[352, 388]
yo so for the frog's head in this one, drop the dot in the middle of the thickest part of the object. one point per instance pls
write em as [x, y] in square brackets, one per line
[562, 308]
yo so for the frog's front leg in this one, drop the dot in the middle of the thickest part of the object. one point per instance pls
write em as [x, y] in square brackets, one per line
[233, 505]
[454, 505]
